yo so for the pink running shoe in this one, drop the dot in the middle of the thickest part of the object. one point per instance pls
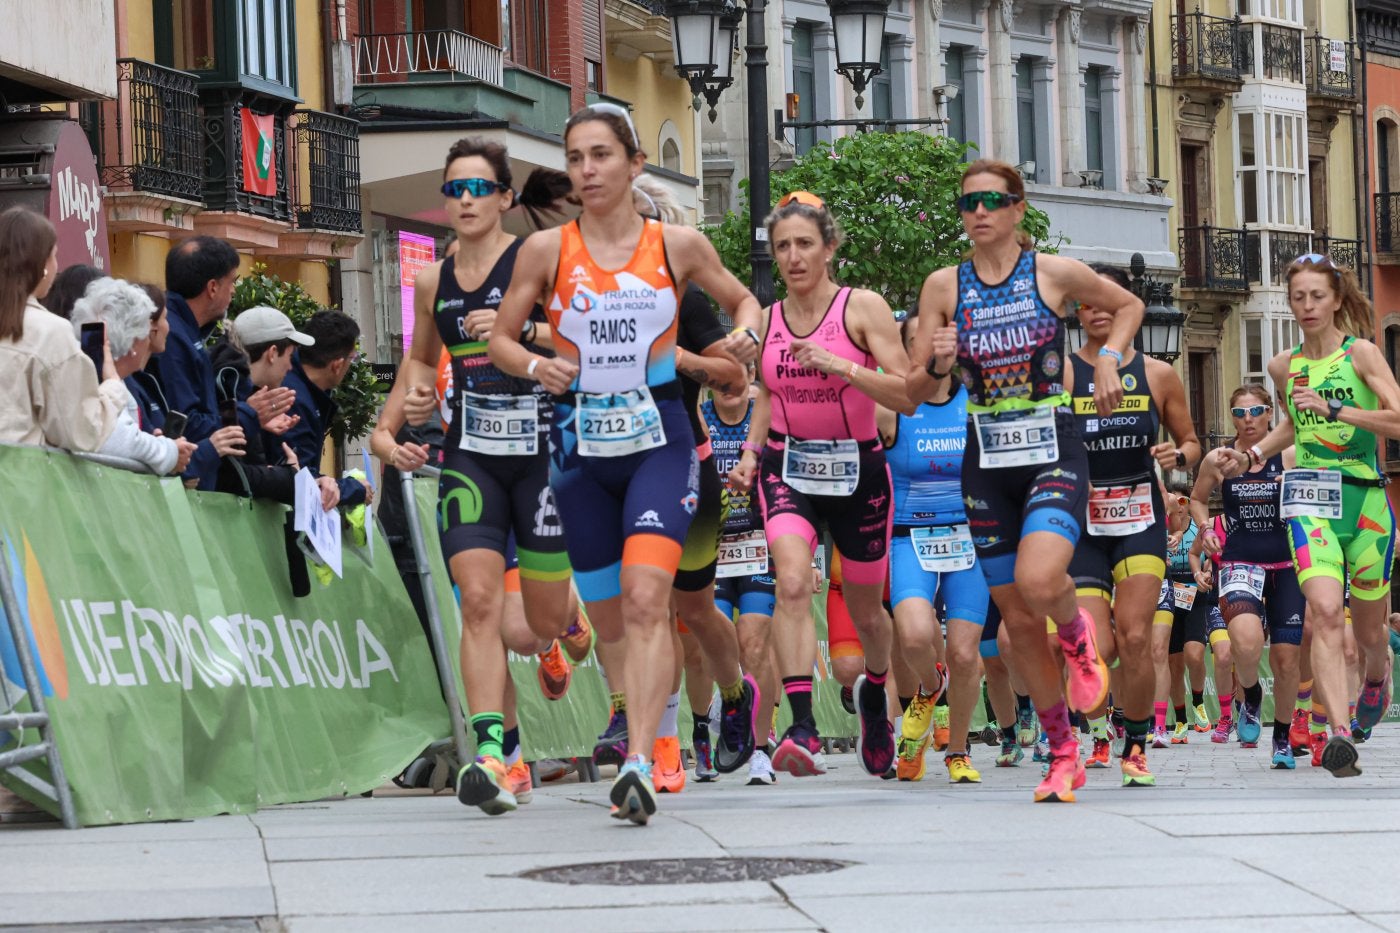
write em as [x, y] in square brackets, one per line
[1086, 676]
[800, 753]
[1223, 727]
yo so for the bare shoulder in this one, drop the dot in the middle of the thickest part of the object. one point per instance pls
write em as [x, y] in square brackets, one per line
[865, 301]
[1278, 366]
[940, 292]
[684, 245]
[427, 277]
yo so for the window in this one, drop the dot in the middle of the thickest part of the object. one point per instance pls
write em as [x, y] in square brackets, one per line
[595, 74]
[1254, 350]
[1025, 110]
[247, 42]
[1273, 190]
[1093, 119]
[267, 41]
[192, 22]
[671, 155]
[1385, 155]
[804, 84]
[1249, 172]
[1264, 337]
[955, 111]
[881, 88]
[529, 46]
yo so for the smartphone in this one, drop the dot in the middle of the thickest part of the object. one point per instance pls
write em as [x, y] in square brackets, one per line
[174, 426]
[92, 337]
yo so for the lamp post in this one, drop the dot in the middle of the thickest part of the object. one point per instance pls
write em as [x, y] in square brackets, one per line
[697, 28]
[1160, 334]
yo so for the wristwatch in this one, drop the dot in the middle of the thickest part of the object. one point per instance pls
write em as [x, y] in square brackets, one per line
[1334, 409]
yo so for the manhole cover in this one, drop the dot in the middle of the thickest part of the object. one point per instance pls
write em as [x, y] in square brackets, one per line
[683, 870]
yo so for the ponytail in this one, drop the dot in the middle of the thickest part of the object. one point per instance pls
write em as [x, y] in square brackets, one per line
[541, 194]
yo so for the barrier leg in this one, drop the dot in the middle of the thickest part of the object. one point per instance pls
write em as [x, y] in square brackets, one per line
[58, 791]
[425, 577]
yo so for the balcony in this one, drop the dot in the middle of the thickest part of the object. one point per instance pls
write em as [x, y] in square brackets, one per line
[1388, 228]
[149, 149]
[1331, 72]
[233, 211]
[324, 187]
[1209, 53]
[1213, 259]
[638, 27]
[437, 55]
[1342, 252]
[1282, 53]
[1269, 253]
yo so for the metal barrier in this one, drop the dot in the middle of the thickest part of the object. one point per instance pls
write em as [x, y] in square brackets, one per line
[47, 748]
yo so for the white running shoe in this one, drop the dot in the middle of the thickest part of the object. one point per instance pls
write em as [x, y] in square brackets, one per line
[761, 769]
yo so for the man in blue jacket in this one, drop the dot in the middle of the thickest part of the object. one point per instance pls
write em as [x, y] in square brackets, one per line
[316, 370]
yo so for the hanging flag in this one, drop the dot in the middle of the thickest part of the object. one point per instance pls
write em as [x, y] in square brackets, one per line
[259, 169]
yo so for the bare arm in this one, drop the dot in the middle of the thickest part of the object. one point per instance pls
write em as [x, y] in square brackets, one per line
[694, 260]
[534, 267]
[713, 368]
[1170, 394]
[383, 443]
[1371, 366]
[873, 323]
[937, 301]
[742, 476]
[1074, 280]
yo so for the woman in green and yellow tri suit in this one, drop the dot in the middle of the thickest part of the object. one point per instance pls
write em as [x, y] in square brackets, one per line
[1339, 395]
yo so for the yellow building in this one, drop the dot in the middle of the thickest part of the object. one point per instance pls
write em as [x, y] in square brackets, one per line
[1252, 108]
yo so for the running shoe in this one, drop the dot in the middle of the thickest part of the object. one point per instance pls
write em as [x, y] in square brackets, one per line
[738, 723]
[1248, 729]
[1223, 727]
[1283, 755]
[1372, 704]
[919, 718]
[484, 783]
[519, 782]
[632, 795]
[578, 639]
[1358, 734]
[1011, 755]
[941, 733]
[704, 767]
[611, 748]
[1025, 728]
[1136, 772]
[554, 672]
[553, 769]
[1181, 734]
[761, 769]
[1041, 751]
[1160, 738]
[875, 744]
[1339, 756]
[1202, 718]
[960, 770]
[990, 736]
[667, 769]
[1064, 776]
[1298, 732]
[1086, 676]
[800, 753]
[1100, 756]
[848, 700]
[909, 763]
[1316, 742]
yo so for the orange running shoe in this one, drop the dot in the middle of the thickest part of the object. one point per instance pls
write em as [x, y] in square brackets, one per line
[1298, 732]
[518, 781]
[484, 784]
[1064, 776]
[554, 672]
[1099, 759]
[667, 772]
[1316, 742]
[578, 639]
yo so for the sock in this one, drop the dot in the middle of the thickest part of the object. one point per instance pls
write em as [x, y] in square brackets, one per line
[669, 727]
[490, 733]
[1304, 695]
[1023, 704]
[700, 732]
[1180, 712]
[1116, 717]
[732, 693]
[702, 721]
[1198, 697]
[904, 703]
[1280, 733]
[1159, 715]
[1135, 732]
[1098, 727]
[942, 699]
[799, 697]
[619, 702]
[1055, 721]
[877, 701]
[1351, 711]
[510, 744]
[1318, 721]
[1254, 695]
[1008, 735]
[1073, 630]
[637, 760]
[1225, 712]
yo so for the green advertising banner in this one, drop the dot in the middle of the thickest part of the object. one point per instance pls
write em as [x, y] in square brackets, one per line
[181, 676]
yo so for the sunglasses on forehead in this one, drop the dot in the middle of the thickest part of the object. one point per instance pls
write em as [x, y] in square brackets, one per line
[1319, 260]
[617, 111]
[476, 187]
[802, 197]
[1253, 411]
[991, 200]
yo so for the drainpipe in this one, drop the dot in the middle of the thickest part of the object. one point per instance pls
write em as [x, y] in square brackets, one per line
[1152, 84]
[1363, 203]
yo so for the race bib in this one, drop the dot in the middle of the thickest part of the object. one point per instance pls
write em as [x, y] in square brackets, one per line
[1241, 579]
[1311, 493]
[500, 425]
[1183, 595]
[1025, 437]
[615, 424]
[744, 555]
[946, 549]
[1116, 511]
[822, 468]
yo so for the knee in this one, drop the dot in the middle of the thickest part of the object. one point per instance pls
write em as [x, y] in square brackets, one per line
[962, 658]
[1327, 614]
[481, 604]
[644, 606]
[1133, 643]
[793, 589]
[1284, 663]
[1161, 648]
[1041, 584]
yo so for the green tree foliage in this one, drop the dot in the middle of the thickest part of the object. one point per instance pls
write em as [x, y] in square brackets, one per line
[893, 195]
[357, 398]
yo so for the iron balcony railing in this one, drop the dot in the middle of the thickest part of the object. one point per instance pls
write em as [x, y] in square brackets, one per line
[148, 139]
[1343, 252]
[1214, 258]
[1388, 222]
[1331, 68]
[1269, 253]
[225, 188]
[382, 58]
[1209, 47]
[1282, 53]
[326, 189]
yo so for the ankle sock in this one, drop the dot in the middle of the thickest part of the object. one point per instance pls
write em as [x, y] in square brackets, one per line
[510, 744]
[1305, 700]
[1072, 630]
[1180, 712]
[1280, 733]
[877, 692]
[732, 693]
[619, 702]
[669, 726]
[1098, 727]
[1135, 732]
[1159, 715]
[1023, 704]
[904, 704]
[1254, 695]
[489, 729]
[1317, 722]
[1198, 697]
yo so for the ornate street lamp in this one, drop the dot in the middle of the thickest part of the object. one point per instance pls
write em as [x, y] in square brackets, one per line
[695, 41]
[1160, 334]
[860, 34]
[723, 75]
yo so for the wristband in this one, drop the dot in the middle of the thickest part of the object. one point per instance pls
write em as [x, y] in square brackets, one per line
[851, 373]
[751, 447]
[1109, 351]
[534, 362]
[1256, 455]
[532, 328]
[929, 368]
[748, 332]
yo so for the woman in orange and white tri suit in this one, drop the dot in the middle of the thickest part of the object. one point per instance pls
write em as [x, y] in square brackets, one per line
[623, 465]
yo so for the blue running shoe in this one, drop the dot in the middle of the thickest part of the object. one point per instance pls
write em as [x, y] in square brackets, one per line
[1372, 704]
[632, 795]
[1248, 729]
[1283, 755]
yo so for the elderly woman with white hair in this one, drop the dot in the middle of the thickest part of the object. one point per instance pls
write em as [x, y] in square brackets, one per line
[128, 314]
